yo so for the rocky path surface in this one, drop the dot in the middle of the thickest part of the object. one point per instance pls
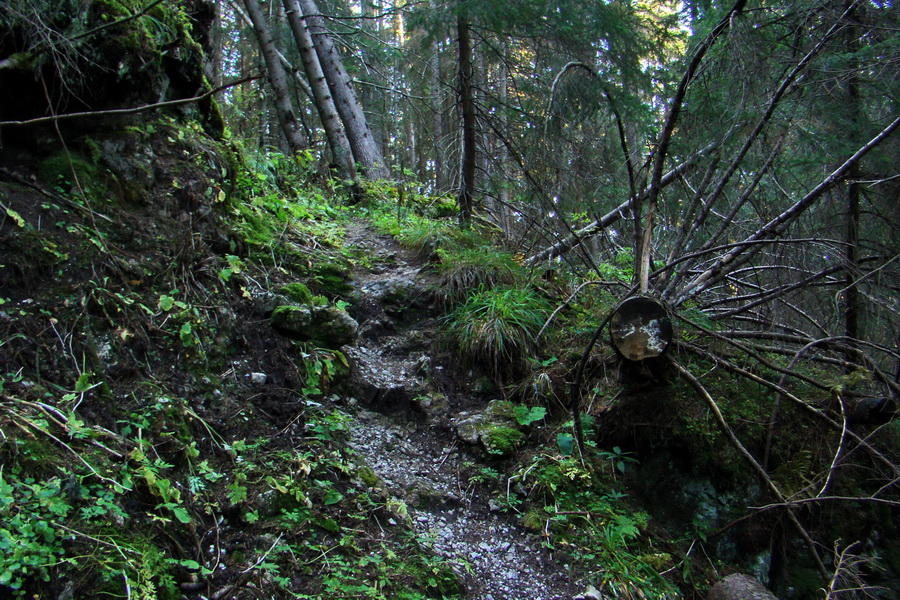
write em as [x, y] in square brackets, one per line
[403, 430]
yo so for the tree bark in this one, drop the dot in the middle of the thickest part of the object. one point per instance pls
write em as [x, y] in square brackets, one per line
[467, 108]
[277, 78]
[438, 119]
[341, 154]
[366, 151]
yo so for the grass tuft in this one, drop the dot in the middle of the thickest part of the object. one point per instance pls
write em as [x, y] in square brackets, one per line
[496, 327]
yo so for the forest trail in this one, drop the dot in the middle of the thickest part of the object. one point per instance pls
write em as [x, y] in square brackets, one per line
[404, 404]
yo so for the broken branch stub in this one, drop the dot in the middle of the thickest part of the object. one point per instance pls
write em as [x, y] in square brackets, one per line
[640, 328]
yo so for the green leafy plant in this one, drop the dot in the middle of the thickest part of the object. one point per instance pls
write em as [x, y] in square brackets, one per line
[29, 540]
[527, 415]
[320, 367]
[619, 458]
[583, 510]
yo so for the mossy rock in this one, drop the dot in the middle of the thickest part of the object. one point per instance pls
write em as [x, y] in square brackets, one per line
[368, 477]
[297, 292]
[324, 326]
[533, 520]
[502, 439]
[495, 428]
[484, 386]
[332, 279]
[56, 171]
[433, 404]
[501, 410]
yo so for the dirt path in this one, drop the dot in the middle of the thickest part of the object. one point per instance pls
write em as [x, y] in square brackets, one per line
[402, 431]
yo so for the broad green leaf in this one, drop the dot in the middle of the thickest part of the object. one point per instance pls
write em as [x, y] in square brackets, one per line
[166, 302]
[181, 514]
[16, 217]
[332, 497]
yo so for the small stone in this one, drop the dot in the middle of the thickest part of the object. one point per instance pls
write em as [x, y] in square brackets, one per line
[591, 593]
[258, 378]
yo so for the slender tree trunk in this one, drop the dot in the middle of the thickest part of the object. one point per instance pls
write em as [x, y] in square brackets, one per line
[341, 154]
[277, 78]
[852, 300]
[662, 146]
[365, 149]
[503, 210]
[438, 108]
[853, 304]
[467, 108]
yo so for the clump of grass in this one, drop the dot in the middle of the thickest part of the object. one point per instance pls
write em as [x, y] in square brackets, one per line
[497, 326]
[426, 235]
[464, 269]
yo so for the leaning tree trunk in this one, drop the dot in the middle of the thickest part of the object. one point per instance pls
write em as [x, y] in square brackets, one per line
[467, 108]
[341, 154]
[277, 78]
[366, 151]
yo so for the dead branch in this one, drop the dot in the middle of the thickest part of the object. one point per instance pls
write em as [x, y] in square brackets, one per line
[847, 567]
[840, 448]
[805, 406]
[661, 151]
[571, 298]
[567, 243]
[821, 499]
[776, 227]
[129, 111]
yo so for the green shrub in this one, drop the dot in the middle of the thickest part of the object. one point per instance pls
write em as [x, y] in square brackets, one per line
[426, 235]
[496, 327]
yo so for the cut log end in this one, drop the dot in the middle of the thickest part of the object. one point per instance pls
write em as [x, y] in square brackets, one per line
[640, 328]
[739, 587]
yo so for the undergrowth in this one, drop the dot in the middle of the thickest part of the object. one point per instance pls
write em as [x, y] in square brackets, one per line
[141, 458]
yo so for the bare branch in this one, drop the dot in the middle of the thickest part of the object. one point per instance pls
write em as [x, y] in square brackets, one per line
[129, 111]
[567, 243]
[776, 226]
[662, 146]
